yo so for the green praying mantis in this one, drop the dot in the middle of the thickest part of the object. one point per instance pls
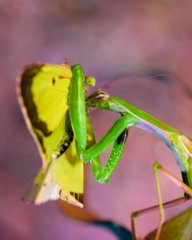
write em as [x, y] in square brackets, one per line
[56, 108]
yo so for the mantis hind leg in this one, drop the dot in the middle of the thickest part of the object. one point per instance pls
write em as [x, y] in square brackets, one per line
[141, 212]
[188, 192]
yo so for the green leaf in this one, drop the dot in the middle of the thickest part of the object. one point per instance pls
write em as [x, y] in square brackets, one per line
[177, 228]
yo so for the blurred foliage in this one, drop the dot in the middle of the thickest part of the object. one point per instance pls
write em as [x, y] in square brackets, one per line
[177, 228]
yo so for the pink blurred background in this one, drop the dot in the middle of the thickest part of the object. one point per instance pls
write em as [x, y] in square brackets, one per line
[109, 38]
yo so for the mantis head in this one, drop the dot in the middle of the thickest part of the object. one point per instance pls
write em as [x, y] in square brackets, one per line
[90, 81]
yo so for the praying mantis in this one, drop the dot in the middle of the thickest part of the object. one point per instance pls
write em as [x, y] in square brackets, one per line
[78, 130]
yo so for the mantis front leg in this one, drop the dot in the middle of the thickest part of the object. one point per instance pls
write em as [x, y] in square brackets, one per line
[118, 134]
[103, 175]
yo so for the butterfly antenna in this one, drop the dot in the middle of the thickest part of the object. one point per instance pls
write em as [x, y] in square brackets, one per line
[66, 61]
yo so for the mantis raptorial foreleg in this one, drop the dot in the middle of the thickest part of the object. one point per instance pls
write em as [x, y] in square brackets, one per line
[114, 132]
[161, 205]
[103, 175]
[117, 134]
[114, 158]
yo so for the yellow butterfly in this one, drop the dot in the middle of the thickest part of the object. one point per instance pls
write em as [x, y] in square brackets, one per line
[43, 92]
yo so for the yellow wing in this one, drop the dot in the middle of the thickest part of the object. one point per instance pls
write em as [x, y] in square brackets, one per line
[43, 92]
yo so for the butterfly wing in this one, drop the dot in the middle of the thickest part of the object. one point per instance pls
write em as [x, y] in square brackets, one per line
[43, 92]
[62, 179]
[68, 174]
